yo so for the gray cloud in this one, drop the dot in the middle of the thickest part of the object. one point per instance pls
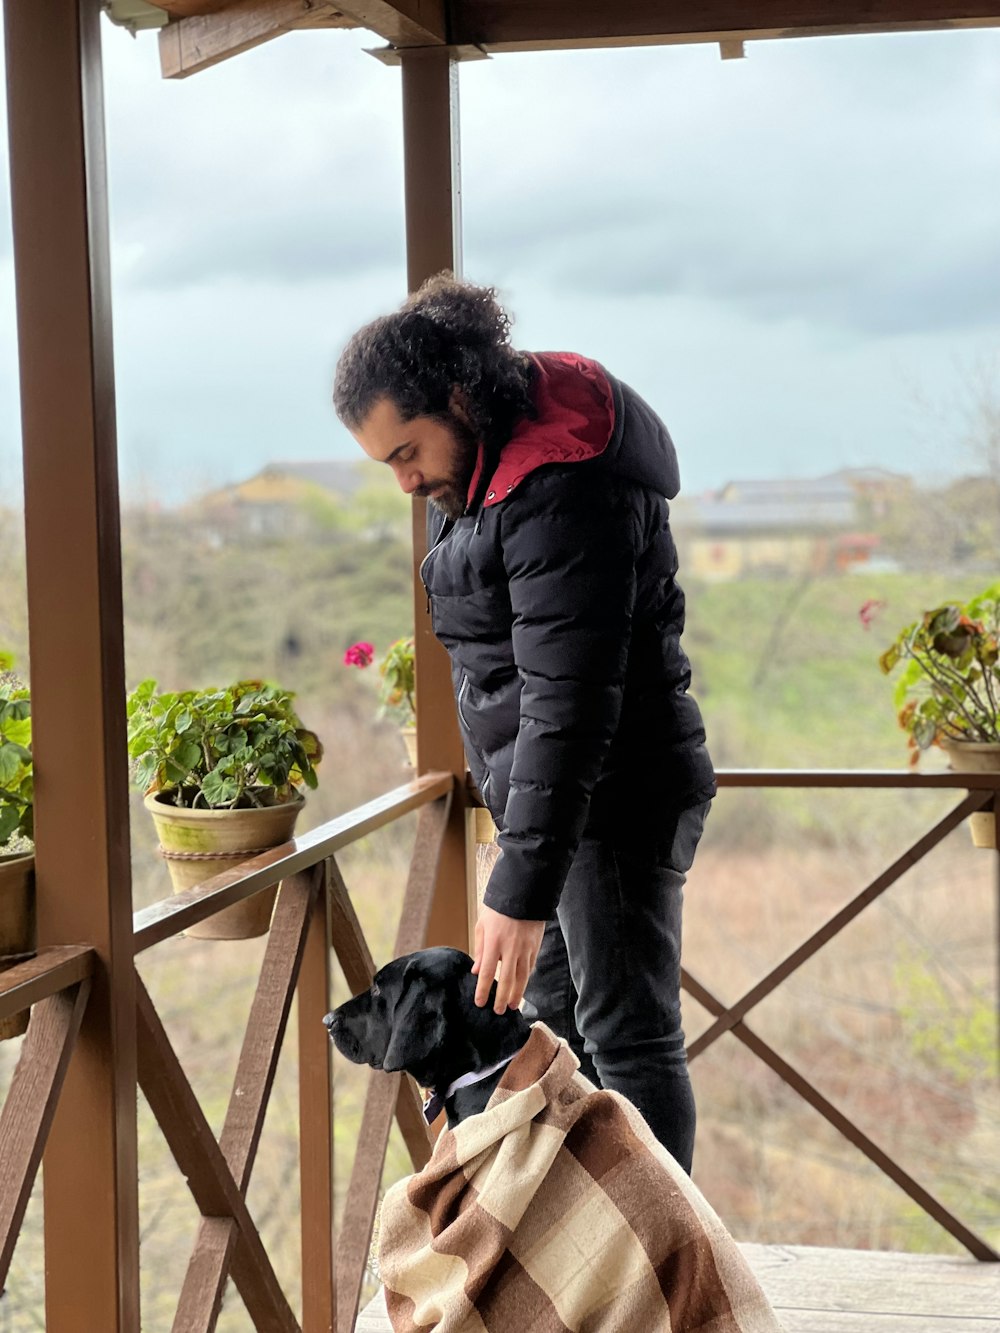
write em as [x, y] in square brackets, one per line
[291, 243]
[925, 282]
[853, 186]
[846, 181]
[248, 171]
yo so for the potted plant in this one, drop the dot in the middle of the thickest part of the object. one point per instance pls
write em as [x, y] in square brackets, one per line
[948, 693]
[221, 770]
[17, 862]
[397, 689]
[397, 696]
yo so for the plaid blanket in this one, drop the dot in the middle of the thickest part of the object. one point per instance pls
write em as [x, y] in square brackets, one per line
[556, 1211]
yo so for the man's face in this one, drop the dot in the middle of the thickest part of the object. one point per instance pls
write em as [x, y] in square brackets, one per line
[430, 456]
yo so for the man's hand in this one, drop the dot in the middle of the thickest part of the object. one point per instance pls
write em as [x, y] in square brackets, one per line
[514, 945]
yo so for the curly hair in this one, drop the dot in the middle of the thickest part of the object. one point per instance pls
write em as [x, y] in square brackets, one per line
[450, 334]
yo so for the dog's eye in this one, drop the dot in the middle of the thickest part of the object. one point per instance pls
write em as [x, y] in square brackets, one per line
[375, 989]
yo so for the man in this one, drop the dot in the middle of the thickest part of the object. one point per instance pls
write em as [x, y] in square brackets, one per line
[551, 582]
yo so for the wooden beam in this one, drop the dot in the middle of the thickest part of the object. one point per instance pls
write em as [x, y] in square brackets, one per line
[50, 971]
[190, 1139]
[316, 1126]
[206, 32]
[537, 25]
[834, 924]
[82, 869]
[383, 1093]
[218, 1234]
[182, 9]
[358, 967]
[434, 242]
[196, 43]
[975, 1244]
[402, 23]
[31, 1103]
[847, 779]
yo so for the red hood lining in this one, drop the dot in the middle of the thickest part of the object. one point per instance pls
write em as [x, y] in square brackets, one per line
[575, 421]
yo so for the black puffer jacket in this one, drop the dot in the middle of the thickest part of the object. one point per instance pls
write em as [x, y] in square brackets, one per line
[556, 599]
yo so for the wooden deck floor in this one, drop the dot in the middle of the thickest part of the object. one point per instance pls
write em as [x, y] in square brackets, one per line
[852, 1291]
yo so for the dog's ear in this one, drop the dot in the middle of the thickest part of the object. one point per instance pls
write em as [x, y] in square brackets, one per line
[418, 1028]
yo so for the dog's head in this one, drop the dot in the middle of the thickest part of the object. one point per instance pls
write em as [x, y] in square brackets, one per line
[420, 1016]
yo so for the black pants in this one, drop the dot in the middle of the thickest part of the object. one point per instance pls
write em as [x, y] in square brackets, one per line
[608, 977]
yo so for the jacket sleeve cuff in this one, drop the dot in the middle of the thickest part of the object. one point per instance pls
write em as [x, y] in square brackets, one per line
[522, 891]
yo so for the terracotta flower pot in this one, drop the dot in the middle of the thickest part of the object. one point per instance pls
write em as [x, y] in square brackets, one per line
[197, 844]
[17, 926]
[976, 757]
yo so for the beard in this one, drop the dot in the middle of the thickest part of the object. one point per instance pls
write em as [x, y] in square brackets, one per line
[454, 488]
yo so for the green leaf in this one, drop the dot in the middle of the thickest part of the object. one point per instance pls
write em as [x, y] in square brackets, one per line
[890, 658]
[188, 753]
[19, 733]
[924, 731]
[219, 790]
[145, 772]
[9, 821]
[14, 710]
[10, 764]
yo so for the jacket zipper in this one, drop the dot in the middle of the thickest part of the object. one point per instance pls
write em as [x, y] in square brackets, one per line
[433, 547]
[462, 690]
[420, 573]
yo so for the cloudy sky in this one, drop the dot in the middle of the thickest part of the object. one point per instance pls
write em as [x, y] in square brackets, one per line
[795, 257]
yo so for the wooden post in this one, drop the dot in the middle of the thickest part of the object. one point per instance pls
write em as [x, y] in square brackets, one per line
[316, 1157]
[433, 243]
[59, 201]
[996, 931]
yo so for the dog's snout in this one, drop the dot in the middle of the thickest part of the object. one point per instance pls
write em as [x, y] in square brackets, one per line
[331, 1022]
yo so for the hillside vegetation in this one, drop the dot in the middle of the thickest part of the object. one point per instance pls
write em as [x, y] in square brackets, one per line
[895, 1021]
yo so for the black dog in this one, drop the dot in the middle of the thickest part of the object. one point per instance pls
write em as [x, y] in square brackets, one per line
[420, 1016]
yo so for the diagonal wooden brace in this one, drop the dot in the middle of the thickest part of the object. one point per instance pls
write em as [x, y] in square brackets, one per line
[974, 1243]
[358, 967]
[199, 1157]
[732, 1015]
[218, 1234]
[384, 1092]
[31, 1103]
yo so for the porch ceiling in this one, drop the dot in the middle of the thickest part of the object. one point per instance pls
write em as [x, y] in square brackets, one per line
[202, 32]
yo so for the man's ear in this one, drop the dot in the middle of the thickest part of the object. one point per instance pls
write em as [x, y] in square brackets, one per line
[417, 1030]
[458, 406]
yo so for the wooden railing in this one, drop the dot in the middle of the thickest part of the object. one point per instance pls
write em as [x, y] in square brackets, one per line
[313, 911]
[982, 791]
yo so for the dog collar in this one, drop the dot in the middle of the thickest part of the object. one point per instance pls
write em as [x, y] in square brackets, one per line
[434, 1104]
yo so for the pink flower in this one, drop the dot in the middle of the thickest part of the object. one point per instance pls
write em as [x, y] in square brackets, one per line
[869, 612]
[359, 654]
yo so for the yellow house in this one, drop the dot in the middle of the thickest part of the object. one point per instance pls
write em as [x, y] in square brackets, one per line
[281, 500]
[785, 527]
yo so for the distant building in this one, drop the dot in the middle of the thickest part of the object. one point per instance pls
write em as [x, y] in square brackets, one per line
[282, 499]
[791, 526]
